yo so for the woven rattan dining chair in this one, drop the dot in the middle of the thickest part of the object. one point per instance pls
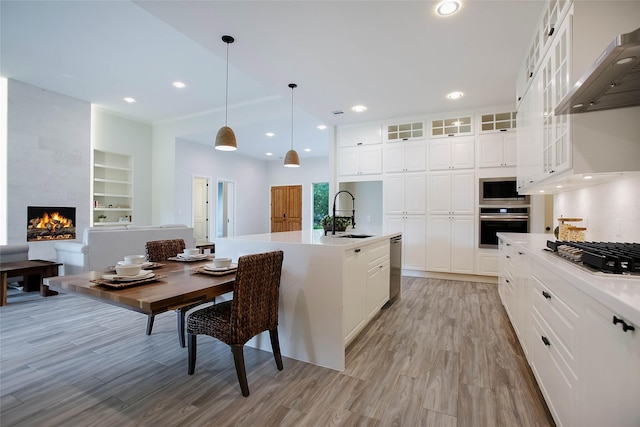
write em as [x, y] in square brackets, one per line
[253, 309]
[160, 251]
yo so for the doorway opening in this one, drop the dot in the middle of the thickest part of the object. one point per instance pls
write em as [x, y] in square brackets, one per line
[226, 224]
[200, 209]
[320, 202]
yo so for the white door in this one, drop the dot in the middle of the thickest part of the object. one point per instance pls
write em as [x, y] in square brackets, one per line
[201, 209]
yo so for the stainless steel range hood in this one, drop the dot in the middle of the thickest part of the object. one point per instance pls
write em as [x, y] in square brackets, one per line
[613, 81]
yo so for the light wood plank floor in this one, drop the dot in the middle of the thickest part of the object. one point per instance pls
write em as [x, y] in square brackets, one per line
[444, 355]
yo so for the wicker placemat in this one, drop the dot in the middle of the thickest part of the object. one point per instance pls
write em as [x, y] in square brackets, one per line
[215, 273]
[120, 285]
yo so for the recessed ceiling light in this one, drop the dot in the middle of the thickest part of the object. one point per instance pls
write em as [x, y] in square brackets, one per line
[179, 85]
[306, 150]
[322, 127]
[269, 154]
[540, 191]
[129, 99]
[359, 108]
[447, 7]
[270, 134]
[457, 123]
[558, 186]
[587, 177]
[455, 95]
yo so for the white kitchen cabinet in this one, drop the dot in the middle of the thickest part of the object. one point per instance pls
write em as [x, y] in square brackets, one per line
[409, 130]
[112, 188]
[487, 262]
[497, 150]
[355, 268]
[359, 134]
[496, 122]
[405, 156]
[610, 394]
[580, 144]
[452, 153]
[452, 192]
[584, 355]
[450, 243]
[413, 229]
[452, 126]
[378, 276]
[405, 194]
[366, 289]
[360, 160]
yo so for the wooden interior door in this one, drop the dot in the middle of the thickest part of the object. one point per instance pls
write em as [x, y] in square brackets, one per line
[286, 208]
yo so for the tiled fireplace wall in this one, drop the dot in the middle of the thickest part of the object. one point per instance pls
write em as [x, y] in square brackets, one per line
[48, 156]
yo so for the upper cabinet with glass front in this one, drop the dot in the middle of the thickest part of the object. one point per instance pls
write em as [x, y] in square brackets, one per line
[452, 126]
[555, 150]
[404, 131]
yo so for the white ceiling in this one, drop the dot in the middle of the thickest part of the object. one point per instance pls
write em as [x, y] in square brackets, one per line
[395, 57]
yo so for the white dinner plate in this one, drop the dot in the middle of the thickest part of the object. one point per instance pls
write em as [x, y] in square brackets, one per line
[143, 265]
[144, 274]
[198, 256]
[212, 267]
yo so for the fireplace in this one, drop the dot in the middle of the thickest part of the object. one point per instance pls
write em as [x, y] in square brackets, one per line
[50, 223]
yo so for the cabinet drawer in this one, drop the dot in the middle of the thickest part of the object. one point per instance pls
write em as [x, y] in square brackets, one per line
[560, 317]
[378, 251]
[556, 379]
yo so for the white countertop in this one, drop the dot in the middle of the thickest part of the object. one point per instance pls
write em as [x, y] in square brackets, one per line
[619, 293]
[317, 237]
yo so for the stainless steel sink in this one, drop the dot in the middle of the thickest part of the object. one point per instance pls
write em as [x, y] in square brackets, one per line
[355, 236]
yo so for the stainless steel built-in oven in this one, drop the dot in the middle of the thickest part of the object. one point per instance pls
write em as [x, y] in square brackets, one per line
[500, 191]
[501, 220]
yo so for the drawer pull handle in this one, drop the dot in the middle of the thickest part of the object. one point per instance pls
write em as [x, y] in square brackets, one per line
[508, 257]
[520, 253]
[546, 294]
[357, 250]
[507, 280]
[625, 327]
[545, 340]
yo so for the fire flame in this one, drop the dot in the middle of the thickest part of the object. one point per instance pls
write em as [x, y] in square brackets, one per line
[56, 220]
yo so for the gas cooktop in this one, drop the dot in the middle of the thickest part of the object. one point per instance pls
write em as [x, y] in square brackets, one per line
[606, 257]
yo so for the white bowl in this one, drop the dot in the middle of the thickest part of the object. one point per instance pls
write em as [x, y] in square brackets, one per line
[128, 270]
[134, 259]
[222, 262]
[191, 251]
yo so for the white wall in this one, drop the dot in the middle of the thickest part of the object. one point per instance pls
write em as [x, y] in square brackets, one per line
[250, 175]
[611, 210]
[312, 170]
[48, 156]
[368, 203]
[116, 134]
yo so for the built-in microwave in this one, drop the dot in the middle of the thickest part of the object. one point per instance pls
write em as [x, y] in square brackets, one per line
[500, 191]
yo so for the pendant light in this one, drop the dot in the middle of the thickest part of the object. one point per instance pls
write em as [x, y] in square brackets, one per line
[226, 139]
[291, 160]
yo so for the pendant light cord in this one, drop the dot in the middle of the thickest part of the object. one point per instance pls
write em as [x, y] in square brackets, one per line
[226, 90]
[292, 117]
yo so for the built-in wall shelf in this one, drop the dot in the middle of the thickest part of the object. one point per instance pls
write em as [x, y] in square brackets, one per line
[112, 188]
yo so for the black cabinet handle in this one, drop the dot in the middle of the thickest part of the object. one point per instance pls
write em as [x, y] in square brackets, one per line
[508, 244]
[520, 253]
[507, 280]
[551, 31]
[545, 340]
[546, 294]
[625, 326]
[508, 257]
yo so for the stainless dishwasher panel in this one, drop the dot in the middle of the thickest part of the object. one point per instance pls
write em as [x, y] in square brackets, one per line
[395, 255]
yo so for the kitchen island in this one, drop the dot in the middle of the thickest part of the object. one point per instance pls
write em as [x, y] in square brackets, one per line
[331, 287]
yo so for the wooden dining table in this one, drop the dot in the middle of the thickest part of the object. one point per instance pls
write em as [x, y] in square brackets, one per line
[178, 285]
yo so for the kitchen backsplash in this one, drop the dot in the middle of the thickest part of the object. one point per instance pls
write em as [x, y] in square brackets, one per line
[611, 210]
